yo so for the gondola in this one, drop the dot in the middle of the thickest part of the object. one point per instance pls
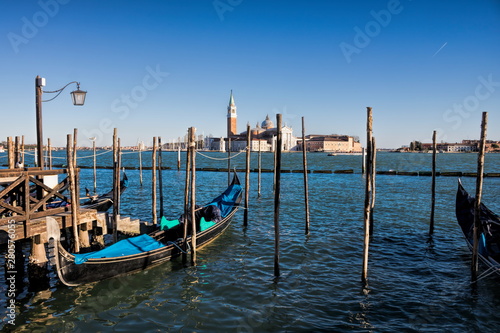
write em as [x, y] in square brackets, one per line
[140, 252]
[489, 230]
[101, 203]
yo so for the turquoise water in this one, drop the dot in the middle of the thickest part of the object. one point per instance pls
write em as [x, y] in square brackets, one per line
[415, 283]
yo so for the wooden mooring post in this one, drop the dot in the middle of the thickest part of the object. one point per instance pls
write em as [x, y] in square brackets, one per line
[74, 195]
[368, 188]
[479, 193]
[153, 181]
[247, 176]
[259, 171]
[277, 190]
[187, 186]
[192, 148]
[306, 184]
[160, 175]
[140, 144]
[433, 183]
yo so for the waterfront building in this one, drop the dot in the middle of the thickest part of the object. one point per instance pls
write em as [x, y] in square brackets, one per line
[332, 144]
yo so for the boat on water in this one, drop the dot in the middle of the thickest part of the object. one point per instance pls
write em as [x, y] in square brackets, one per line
[146, 250]
[101, 203]
[489, 231]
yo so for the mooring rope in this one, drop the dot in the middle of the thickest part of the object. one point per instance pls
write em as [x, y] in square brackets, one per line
[221, 158]
[63, 158]
[177, 246]
[486, 273]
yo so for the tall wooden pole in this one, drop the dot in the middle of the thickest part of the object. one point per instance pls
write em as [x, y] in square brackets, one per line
[160, 175]
[23, 156]
[187, 187]
[116, 185]
[228, 161]
[479, 193]
[433, 184]
[178, 158]
[363, 160]
[140, 161]
[10, 153]
[49, 152]
[306, 184]
[153, 178]
[277, 191]
[373, 172]
[39, 128]
[95, 165]
[259, 172]
[366, 242]
[74, 196]
[247, 176]
[192, 148]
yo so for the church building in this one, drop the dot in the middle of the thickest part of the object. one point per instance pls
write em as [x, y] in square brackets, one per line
[263, 136]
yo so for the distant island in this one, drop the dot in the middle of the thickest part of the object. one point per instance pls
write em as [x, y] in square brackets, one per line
[466, 146]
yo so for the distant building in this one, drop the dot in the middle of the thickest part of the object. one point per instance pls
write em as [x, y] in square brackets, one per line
[263, 136]
[466, 146]
[331, 143]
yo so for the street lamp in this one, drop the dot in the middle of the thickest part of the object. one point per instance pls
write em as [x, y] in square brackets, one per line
[78, 97]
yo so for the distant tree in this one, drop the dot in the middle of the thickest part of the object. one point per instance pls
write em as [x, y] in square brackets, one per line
[415, 146]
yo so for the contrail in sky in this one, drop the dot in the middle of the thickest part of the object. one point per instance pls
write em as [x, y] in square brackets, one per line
[440, 49]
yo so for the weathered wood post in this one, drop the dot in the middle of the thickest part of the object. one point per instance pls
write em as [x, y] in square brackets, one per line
[259, 171]
[153, 180]
[433, 183]
[187, 187]
[373, 172]
[116, 185]
[17, 152]
[479, 193]
[74, 195]
[22, 152]
[10, 153]
[192, 147]
[178, 158]
[368, 187]
[95, 164]
[277, 191]
[160, 175]
[306, 184]
[140, 144]
[228, 161]
[247, 176]
[363, 160]
[49, 152]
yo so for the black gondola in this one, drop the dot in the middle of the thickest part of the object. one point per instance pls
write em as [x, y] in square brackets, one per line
[101, 203]
[489, 231]
[138, 253]
[104, 202]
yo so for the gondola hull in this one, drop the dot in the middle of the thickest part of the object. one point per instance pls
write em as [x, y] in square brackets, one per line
[489, 230]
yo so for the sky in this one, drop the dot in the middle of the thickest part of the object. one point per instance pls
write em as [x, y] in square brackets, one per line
[156, 68]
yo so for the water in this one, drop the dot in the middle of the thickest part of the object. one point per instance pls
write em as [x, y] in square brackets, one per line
[414, 284]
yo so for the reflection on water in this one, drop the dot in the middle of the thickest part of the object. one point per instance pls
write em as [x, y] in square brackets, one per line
[415, 284]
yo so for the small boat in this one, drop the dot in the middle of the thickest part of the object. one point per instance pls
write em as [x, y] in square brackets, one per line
[101, 202]
[104, 201]
[140, 252]
[489, 231]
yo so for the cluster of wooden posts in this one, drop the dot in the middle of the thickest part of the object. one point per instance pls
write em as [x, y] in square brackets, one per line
[369, 169]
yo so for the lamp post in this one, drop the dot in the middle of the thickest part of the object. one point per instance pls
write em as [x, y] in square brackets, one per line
[78, 97]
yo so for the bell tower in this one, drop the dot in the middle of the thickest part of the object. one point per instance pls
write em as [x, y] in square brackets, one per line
[231, 117]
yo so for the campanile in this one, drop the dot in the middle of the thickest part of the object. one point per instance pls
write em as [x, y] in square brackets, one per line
[231, 117]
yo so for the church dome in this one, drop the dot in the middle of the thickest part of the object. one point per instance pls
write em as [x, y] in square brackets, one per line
[267, 124]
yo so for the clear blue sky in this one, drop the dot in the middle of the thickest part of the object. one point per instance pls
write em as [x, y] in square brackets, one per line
[155, 68]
